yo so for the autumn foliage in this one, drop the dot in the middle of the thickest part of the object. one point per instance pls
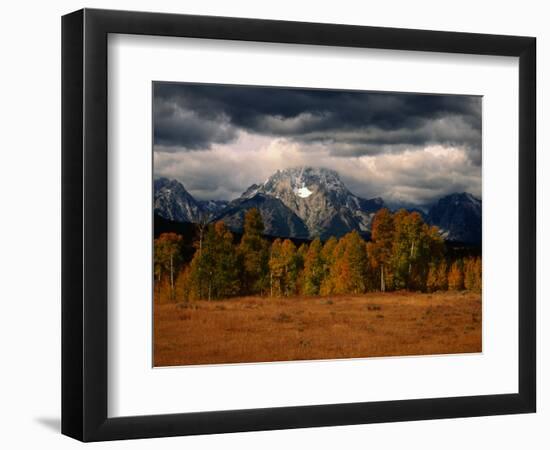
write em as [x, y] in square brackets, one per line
[404, 253]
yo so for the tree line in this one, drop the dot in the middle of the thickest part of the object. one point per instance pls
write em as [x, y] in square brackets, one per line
[404, 253]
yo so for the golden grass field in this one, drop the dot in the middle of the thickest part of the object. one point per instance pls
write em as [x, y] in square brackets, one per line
[256, 329]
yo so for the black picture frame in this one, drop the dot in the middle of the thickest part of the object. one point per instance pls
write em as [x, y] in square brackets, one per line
[84, 224]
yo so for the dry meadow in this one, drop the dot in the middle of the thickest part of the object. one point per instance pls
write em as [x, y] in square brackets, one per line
[257, 329]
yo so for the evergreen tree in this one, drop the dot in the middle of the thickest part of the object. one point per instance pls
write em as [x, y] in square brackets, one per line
[314, 269]
[432, 248]
[415, 245]
[405, 243]
[426, 246]
[254, 253]
[225, 273]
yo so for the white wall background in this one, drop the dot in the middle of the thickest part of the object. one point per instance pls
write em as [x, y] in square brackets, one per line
[30, 229]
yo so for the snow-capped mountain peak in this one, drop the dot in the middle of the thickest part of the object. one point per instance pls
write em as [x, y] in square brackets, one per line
[319, 198]
[173, 202]
[297, 178]
[307, 202]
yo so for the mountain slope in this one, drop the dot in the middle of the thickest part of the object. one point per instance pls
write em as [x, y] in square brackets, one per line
[309, 202]
[458, 216]
[212, 207]
[278, 219]
[173, 202]
[320, 199]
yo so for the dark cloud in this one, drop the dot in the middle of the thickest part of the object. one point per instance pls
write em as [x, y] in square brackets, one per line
[195, 116]
[174, 125]
[407, 148]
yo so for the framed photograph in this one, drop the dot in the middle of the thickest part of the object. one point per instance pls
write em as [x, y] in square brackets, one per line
[273, 225]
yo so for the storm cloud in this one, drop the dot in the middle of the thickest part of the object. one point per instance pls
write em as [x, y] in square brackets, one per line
[212, 128]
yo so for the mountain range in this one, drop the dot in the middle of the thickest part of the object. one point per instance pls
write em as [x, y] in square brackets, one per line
[458, 215]
[307, 202]
[173, 202]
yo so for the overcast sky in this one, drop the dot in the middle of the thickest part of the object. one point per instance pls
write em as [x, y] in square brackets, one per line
[406, 148]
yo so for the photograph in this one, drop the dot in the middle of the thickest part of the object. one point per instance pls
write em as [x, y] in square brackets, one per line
[275, 225]
[296, 224]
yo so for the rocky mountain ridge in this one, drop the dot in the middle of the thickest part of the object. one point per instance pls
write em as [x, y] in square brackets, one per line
[308, 202]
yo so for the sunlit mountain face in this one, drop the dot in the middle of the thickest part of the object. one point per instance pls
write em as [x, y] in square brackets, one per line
[308, 202]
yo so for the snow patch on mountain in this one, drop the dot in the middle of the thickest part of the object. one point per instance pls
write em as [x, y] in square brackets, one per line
[303, 192]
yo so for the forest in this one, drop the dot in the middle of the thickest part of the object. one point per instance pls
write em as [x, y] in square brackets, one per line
[403, 254]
